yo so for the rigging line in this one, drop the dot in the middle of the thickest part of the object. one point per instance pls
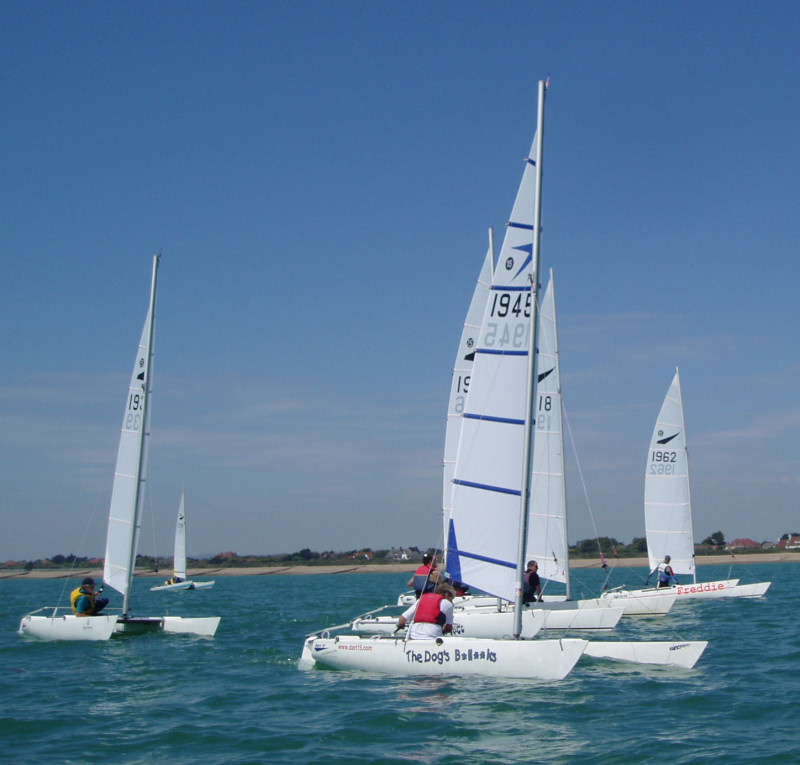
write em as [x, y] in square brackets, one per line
[81, 544]
[153, 530]
[607, 569]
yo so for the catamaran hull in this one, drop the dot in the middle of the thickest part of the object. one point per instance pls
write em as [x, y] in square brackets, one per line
[641, 602]
[755, 590]
[727, 588]
[660, 652]
[187, 585]
[68, 627]
[570, 615]
[205, 626]
[473, 622]
[533, 659]
[722, 588]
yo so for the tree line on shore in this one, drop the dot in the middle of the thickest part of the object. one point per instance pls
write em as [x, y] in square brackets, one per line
[586, 548]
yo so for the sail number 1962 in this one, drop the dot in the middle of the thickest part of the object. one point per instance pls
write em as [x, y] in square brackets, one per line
[662, 463]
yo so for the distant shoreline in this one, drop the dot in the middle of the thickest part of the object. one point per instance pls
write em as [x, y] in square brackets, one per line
[384, 568]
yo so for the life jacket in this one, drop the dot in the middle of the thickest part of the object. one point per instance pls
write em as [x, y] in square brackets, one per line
[76, 595]
[665, 573]
[429, 611]
[422, 581]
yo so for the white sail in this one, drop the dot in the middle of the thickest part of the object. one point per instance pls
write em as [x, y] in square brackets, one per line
[668, 506]
[131, 471]
[179, 582]
[179, 560]
[123, 522]
[547, 527]
[667, 502]
[484, 532]
[462, 372]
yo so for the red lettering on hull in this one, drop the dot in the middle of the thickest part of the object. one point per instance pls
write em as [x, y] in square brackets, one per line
[694, 588]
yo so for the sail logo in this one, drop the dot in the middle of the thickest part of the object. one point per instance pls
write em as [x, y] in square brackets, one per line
[666, 440]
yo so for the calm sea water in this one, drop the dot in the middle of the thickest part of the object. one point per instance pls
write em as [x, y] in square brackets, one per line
[240, 698]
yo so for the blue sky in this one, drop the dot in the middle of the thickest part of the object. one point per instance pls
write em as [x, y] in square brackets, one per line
[320, 178]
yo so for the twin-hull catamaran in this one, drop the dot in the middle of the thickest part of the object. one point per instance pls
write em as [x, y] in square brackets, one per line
[179, 580]
[508, 328]
[123, 522]
[668, 510]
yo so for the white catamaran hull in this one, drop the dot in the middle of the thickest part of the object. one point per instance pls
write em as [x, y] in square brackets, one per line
[660, 652]
[489, 621]
[68, 626]
[205, 626]
[187, 585]
[466, 623]
[722, 588]
[641, 602]
[590, 614]
[535, 659]
[482, 622]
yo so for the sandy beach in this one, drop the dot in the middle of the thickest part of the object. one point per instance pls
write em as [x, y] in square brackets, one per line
[387, 568]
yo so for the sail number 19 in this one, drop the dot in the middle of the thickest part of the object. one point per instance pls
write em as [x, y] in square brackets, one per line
[133, 416]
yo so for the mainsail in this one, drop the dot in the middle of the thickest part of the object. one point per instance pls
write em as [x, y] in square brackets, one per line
[179, 560]
[667, 502]
[491, 471]
[131, 470]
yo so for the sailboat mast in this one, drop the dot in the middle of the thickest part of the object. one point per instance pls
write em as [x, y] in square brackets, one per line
[144, 433]
[525, 494]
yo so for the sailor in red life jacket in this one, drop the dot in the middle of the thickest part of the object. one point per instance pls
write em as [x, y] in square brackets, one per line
[426, 577]
[432, 614]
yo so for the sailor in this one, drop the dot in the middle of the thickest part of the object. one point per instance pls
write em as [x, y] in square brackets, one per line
[533, 585]
[426, 577]
[85, 601]
[432, 614]
[666, 576]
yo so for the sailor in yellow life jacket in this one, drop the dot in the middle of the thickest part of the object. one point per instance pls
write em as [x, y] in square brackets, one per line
[85, 601]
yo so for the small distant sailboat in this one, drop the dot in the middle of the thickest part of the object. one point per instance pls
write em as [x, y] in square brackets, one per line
[668, 507]
[179, 580]
[56, 623]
